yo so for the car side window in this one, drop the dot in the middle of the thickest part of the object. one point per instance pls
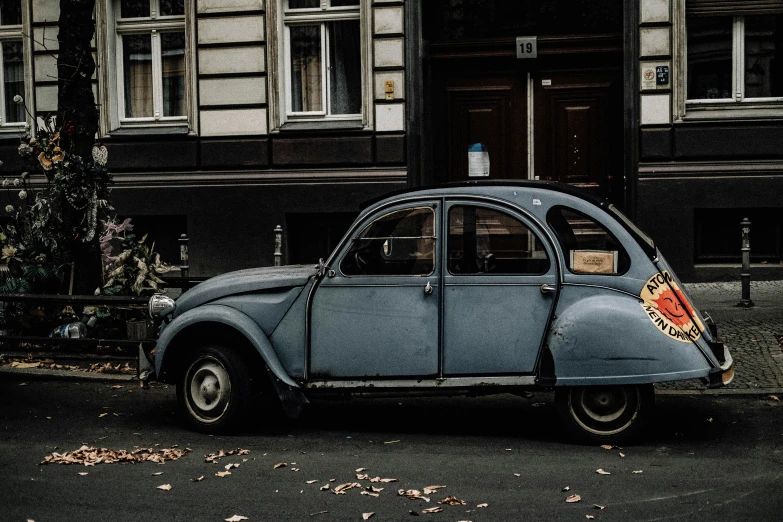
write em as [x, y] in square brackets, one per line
[486, 241]
[589, 248]
[400, 243]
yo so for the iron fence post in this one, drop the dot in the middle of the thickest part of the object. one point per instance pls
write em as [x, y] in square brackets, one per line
[278, 245]
[745, 302]
[184, 267]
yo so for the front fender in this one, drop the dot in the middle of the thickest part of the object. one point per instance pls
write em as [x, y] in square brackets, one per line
[609, 339]
[227, 316]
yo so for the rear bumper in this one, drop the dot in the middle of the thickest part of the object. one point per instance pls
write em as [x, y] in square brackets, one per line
[724, 374]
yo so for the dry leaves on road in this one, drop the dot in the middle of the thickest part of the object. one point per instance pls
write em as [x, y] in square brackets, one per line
[567, 488]
[370, 493]
[598, 506]
[451, 500]
[157, 474]
[83, 473]
[774, 397]
[359, 470]
[384, 480]
[573, 498]
[482, 505]
[229, 466]
[236, 518]
[637, 471]
[412, 494]
[324, 487]
[602, 472]
[432, 510]
[222, 474]
[392, 442]
[429, 490]
[311, 481]
[366, 516]
[197, 479]
[92, 456]
[214, 458]
[362, 476]
[280, 465]
[589, 517]
[342, 488]
[165, 487]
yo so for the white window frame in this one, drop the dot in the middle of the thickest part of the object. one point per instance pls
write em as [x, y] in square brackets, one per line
[280, 100]
[736, 107]
[111, 29]
[18, 32]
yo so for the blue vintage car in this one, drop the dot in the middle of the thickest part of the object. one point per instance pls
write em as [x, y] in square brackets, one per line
[475, 288]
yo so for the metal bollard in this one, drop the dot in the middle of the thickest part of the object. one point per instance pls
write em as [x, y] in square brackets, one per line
[745, 302]
[278, 245]
[184, 267]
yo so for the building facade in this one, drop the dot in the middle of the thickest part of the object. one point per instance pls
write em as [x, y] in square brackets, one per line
[225, 118]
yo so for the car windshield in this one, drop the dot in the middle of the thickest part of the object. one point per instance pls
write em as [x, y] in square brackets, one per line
[637, 232]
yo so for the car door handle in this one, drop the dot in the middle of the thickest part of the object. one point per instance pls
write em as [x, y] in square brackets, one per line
[545, 289]
[428, 289]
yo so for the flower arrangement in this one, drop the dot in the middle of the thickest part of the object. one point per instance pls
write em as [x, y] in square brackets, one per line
[135, 270]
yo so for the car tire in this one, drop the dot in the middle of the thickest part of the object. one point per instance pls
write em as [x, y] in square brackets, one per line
[605, 414]
[214, 389]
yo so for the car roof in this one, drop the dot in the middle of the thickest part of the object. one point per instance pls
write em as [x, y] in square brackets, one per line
[554, 186]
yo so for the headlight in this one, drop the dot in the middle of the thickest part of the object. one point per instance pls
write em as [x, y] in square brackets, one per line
[160, 306]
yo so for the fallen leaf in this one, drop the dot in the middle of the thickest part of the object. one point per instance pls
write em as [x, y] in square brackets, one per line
[589, 517]
[602, 472]
[482, 505]
[324, 487]
[83, 473]
[391, 442]
[607, 446]
[774, 397]
[102, 415]
[375, 489]
[637, 471]
[567, 488]
[116, 387]
[451, 500]
[359, 470]
[385, 480]
[622, 455]
[366, 516]
[236, 518]
[598, 506]
[294, 469]
[573, 498]
[517, 474]
[342, 488]
[222, 474]
[429, 490]
[198, 479]
[165, 487]
[157, 474]
[229, 466]
[437, 509]
[280, 465]
[362, 476]
[412, 494]
[311, 481]
[370, 494]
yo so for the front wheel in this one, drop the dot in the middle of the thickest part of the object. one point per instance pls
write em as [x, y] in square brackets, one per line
[605, 413]
[214, 388]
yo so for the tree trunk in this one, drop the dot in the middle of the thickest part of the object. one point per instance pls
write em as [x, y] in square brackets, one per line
[77, 119]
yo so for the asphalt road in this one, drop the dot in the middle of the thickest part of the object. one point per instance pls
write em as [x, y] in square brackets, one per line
[704, 458]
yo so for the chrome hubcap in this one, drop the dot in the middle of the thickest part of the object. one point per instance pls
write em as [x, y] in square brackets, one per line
[209, 389]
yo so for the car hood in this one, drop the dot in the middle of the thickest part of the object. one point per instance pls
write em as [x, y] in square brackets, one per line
[244, 281]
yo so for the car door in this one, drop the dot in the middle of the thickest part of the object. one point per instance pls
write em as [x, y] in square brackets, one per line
[376, 313]
[495, 305]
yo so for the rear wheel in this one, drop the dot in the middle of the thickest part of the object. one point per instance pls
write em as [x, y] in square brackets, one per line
[214, 389]
[605, 413]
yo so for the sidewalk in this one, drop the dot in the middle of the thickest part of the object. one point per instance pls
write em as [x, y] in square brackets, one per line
[754, 337]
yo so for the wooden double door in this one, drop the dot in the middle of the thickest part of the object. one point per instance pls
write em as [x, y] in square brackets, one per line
[563, 126]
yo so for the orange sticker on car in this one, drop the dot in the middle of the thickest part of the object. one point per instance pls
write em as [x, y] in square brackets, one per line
[669, 310]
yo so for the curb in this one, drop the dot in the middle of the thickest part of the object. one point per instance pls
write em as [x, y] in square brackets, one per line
[70, 375]
[63, 375]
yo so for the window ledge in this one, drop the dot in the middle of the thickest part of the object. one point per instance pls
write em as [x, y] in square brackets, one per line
[734, 113]
[322, 125]
[168, 130]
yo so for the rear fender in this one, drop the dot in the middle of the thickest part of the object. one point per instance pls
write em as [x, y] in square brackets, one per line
[609, 339]
[289, 392]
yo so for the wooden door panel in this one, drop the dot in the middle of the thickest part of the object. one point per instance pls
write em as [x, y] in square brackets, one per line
[489, 111]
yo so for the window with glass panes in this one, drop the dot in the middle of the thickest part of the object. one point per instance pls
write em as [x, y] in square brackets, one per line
[732, 51]
[150, 49]
[12, 70]
[322, 57]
